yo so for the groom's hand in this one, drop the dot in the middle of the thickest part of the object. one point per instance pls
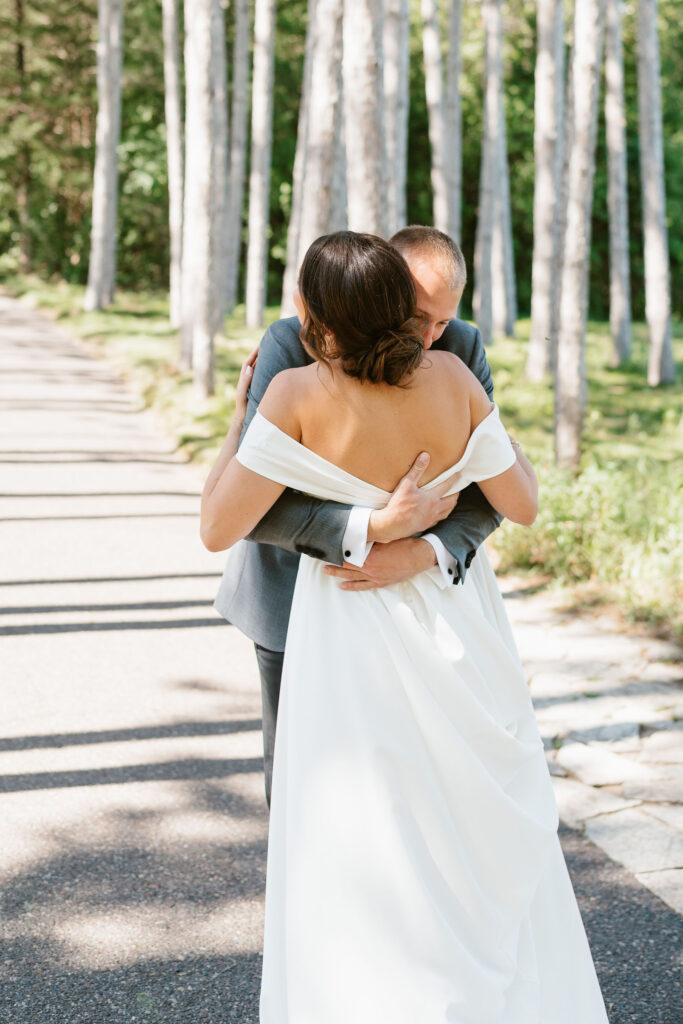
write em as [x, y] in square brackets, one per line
[386, 564]
[412, 509]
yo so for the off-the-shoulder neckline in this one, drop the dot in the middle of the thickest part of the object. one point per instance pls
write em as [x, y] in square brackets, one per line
[494, 413]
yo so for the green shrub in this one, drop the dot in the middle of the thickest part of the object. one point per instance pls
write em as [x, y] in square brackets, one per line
[619, 525]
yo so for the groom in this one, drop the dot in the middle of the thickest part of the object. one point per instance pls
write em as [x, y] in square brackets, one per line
[258, 584]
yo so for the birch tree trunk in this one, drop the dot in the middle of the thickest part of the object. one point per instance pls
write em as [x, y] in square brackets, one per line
[454, 121]
[363, 73]
[259, 176]
[504, 296]
[438, 133]
[238, 150]
[548, 159]
[617, 196]
[24, 155]
[559, 251]
[287, 307]
[396, 98]
[661, 367]
[488, 183]
[220, 184]
[198, 281]
[323, 124]
[174, 152]
[570, 380]
[338, 218]
[102, 267]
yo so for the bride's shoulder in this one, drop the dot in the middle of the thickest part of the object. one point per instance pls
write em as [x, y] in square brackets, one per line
[450, 374]
[449, 369]
[281, 403]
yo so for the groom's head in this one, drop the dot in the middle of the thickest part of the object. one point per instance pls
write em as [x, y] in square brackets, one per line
[439, 273]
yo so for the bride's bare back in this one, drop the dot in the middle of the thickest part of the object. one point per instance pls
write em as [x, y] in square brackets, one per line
[375, 431]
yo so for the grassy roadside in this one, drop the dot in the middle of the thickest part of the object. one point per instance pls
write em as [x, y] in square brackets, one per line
[611, 535]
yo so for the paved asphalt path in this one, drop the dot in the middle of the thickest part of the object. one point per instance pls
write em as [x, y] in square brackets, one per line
[133, 825]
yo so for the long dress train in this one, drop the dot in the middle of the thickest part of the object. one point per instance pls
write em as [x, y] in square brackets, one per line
[415, 875]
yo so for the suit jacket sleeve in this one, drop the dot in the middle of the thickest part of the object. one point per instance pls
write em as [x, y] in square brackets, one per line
[473, 519]
[296, 522]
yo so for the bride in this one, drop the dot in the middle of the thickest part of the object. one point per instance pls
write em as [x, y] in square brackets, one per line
[415, 875]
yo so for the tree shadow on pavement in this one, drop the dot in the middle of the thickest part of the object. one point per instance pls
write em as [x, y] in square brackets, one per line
[636, 940]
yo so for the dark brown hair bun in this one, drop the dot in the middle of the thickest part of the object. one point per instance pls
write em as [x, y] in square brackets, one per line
[359, 289]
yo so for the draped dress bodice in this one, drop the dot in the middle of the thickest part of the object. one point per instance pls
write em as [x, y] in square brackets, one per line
[413, 851]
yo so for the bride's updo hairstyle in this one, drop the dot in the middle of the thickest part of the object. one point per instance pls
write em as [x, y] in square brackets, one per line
[360, 304]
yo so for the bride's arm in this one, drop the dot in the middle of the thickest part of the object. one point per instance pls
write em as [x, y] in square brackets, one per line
[234, 498]
[514, 493]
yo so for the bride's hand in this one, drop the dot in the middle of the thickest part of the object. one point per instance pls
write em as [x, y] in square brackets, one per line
[412, 509]
[242, 390]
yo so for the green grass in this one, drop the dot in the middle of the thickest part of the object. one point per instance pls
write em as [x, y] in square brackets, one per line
[613, 533]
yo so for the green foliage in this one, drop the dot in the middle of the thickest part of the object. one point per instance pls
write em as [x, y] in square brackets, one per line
[48, 123]
[618, 524]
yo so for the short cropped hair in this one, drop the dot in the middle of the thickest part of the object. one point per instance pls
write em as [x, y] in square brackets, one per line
[418, 240]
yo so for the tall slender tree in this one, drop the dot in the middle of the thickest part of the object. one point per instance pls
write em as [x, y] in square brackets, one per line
[454, 120]
[198, 281]
[436, 108]
[504, 294]
[259, 175]
[293, 228]
[238, 149]
[570, 377]
[174, 151]
[396, 97]
[220, 184]
[617, 195]
[364, 116]
[102, 267]
[548, 155]
[323, 114]
[490, 166]
[661, 368]
[24, 154]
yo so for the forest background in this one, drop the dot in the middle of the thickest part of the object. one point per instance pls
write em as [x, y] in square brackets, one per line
[57, 126]
[615, 529]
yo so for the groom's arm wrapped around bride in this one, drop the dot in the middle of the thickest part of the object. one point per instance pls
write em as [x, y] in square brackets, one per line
[304, 525]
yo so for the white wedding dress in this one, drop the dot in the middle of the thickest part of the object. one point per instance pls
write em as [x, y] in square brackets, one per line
[415, 875]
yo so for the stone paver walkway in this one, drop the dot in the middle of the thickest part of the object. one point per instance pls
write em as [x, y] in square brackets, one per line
[610, 709]
[134, 827]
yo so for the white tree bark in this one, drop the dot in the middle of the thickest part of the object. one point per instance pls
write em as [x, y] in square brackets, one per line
[548, 158]
[488, 179]
[559, 250]
[504, 295]
[338, 218]
[570, 380]
[363, 73]
[174, 152]
[454, 120]
[396, 98]
[220, 185]
[199, 299]
[323, 124]
[238, 150]
[436, 108]
[259, 176]
[287, 307]
[617, 195]
[102, 267]
[661, 367]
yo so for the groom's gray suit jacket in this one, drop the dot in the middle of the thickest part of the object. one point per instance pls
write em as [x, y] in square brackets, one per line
[258, 583]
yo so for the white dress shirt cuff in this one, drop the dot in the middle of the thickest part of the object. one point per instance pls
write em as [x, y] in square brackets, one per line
[355, 544]
[446, 572]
